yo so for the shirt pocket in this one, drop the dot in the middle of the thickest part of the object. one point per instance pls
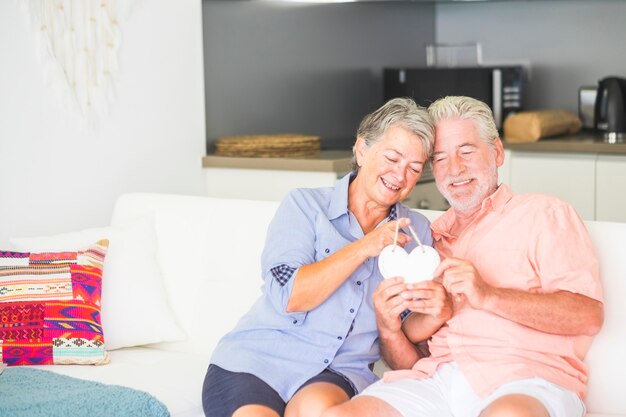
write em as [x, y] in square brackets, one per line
[508, 267]
[285, 321]
[296, 319]
[329, 243]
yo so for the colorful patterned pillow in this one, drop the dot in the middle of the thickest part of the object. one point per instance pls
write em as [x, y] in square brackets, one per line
[50, 307]
[135, 308]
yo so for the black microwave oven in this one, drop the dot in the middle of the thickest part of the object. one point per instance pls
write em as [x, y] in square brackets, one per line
[502, 88]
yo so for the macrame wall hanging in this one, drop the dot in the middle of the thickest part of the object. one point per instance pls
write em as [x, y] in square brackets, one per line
[80, 40]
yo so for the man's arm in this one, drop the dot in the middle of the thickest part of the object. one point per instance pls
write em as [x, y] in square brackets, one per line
[398, 352]
[561, 312]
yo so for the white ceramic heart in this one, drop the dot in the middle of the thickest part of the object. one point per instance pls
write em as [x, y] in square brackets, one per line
[416, 266]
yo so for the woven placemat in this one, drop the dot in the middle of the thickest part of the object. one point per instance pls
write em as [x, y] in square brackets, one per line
[268, 146]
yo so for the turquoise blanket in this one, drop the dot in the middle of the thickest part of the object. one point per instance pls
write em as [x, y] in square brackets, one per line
[27, 392]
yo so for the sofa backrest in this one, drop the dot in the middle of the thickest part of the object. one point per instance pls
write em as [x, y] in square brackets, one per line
[607, 358]
[209, 253]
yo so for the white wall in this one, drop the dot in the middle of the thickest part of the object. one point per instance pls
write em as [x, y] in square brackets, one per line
[59, 176]
[568, 43]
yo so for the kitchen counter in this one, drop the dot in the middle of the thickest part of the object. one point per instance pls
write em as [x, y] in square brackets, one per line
[578, 168]
[333, 161]
[271, 178]
[587, 143]
[340, 161]
[336, 161]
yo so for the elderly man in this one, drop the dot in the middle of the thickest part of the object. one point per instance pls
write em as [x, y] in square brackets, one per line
[524, 296]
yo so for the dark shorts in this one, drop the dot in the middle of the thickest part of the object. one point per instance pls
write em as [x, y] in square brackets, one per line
[224, 391]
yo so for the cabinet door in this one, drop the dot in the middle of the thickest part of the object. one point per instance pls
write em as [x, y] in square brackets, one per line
[568, 176]
[611, 188]
[262, 184]
[426, 196]
[504, 172]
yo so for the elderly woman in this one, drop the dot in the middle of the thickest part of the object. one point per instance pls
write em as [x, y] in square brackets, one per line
[311, 339]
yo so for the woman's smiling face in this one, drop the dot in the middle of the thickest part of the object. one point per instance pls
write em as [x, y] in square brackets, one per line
[391, 167]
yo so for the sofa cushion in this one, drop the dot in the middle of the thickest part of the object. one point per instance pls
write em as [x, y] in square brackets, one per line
[209, 288]
[174, 378]
[50, 307]
[135, 310]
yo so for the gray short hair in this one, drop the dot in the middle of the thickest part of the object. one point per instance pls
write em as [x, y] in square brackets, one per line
[402, 112]
[466, 108]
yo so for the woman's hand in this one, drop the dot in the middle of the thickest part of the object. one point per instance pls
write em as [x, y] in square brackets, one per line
[376, 240]
[389, 304]
[398, 351]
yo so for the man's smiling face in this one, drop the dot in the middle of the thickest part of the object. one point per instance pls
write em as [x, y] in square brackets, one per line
[464, 165]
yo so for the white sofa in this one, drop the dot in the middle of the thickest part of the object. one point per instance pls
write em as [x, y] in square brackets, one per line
[208, 251]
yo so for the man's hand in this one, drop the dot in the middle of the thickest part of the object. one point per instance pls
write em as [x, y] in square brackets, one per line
[561, 312]
[433, 306]
[462, 281]
[429, 298]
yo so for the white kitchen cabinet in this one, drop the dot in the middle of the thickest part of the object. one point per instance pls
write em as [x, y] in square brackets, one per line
[504, 171]
[569, 176]
[594, 183]
[611, 188]
[262, 184]
[271, 178]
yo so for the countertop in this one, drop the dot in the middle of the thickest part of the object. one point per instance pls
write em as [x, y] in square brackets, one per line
[587, 143]
[325, 161]
[340, 161]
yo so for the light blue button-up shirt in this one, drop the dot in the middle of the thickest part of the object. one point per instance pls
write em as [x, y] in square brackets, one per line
[287, 349]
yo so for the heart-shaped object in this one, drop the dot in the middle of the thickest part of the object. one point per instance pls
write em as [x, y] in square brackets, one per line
[416, 266]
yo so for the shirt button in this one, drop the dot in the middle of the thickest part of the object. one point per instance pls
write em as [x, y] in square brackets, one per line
[295, 322]
[325, 360]
[358, 283]
[326, 250]
[339, 338]
[351, 310]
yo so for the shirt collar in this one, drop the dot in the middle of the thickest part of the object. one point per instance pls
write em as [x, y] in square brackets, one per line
[339, 199]
[495, 202]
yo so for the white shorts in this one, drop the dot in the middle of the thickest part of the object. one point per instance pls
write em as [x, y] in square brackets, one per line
[448, 394]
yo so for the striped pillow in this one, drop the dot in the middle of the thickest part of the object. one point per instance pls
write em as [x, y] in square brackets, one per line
[50, 307]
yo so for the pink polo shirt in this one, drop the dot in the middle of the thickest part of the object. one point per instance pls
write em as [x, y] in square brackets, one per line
[529, 242]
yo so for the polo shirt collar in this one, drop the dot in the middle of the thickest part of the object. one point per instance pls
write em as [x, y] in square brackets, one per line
[495, 202]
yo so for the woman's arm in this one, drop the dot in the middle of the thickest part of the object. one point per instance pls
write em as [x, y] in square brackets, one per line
[314, 283]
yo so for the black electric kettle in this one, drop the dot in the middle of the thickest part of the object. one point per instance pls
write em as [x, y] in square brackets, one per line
[610, 109]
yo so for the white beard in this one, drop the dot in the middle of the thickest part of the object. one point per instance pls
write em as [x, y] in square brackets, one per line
[472, 203]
